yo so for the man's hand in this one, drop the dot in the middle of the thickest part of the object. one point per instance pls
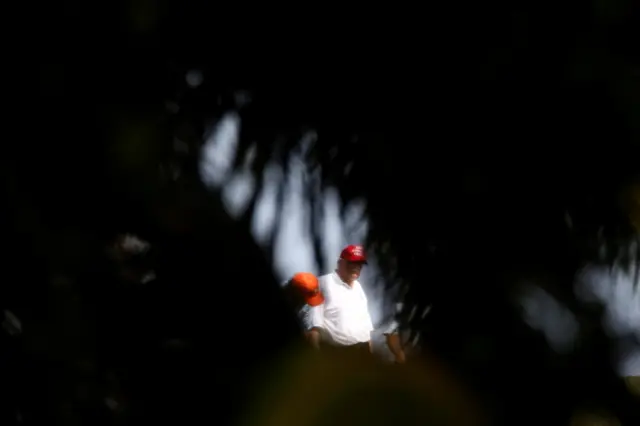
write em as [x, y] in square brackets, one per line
[400, 357]
[313, 336]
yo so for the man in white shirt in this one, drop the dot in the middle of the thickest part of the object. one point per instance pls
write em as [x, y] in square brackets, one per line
[392, 336]
[343, 320]
[399, 340]
[304, 293]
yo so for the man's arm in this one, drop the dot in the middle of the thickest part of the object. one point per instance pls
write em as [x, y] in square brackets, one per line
[313, 322]
[313, 337]
[394, 342]
[395, 346]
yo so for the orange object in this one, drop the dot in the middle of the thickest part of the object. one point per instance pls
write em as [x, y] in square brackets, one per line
[307, 284]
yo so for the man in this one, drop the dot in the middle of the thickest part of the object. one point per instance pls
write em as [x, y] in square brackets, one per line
[343, 320]
[398, 340]
[392, 336]
[304, 293]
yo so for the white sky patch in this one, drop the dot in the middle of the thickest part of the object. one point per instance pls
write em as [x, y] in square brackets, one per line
[238, 191]
[543, 312]
[293, 250]
[219, 151]
[264, 218]
[619, 290]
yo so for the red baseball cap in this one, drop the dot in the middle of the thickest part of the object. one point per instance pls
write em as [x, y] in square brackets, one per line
[354, 253]
[307, 285]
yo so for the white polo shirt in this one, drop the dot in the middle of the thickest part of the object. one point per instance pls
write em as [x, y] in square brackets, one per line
[344, 317]
[304, 315]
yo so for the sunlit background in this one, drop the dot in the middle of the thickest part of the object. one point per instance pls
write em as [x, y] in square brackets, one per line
[294, 252]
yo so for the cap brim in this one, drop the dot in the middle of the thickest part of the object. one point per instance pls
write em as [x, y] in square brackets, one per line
[356, 260]
[315, 300]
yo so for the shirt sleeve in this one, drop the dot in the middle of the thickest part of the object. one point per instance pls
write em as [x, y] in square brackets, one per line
[306, 318]
[313, 317]
[392, 328]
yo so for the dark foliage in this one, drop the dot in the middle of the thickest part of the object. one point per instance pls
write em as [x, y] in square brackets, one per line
[472, 131]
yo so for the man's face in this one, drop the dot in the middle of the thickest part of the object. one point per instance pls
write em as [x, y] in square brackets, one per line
[350, 270]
